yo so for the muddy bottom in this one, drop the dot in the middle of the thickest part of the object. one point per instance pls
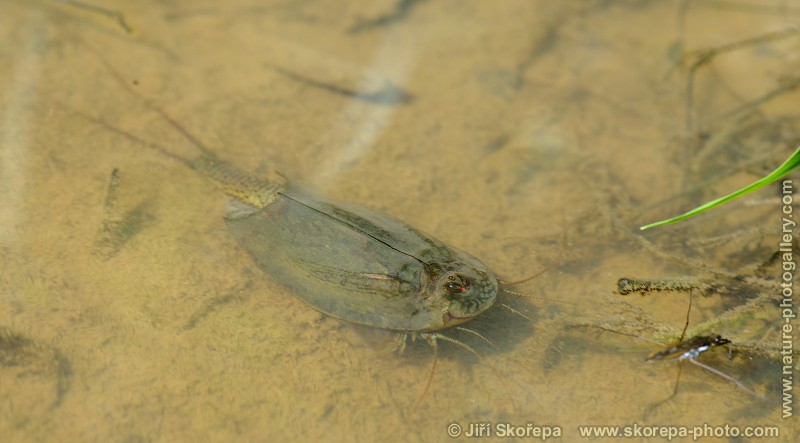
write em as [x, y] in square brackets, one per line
[534, 135]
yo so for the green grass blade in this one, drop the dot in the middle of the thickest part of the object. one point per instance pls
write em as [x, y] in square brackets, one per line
[790, 164]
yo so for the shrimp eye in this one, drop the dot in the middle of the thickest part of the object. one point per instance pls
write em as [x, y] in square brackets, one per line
[456, 284]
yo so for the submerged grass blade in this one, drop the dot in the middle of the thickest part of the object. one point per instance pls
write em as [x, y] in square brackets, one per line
[791, 163]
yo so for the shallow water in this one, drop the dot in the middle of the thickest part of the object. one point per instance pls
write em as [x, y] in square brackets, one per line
[533, 135]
